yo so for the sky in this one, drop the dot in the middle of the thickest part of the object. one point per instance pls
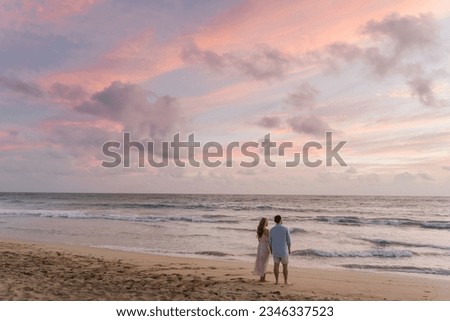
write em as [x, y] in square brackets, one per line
[75, 75]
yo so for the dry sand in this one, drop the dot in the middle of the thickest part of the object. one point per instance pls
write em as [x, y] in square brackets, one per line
[32, 271]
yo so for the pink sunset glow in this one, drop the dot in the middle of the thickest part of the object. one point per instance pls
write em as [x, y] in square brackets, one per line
[75, 75]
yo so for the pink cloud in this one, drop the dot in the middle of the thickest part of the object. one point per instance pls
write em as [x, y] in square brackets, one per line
[134, 60]
[269, 122]
[263, 63]
[309, 125]
[56, 92]
[19, 139]
[21, 147]
[129, 104]
[80, 140]
[297, 26]
[135, 46]
[218, 98]
[4, 134]
[101, 124]
[17, 13]
[22, 87]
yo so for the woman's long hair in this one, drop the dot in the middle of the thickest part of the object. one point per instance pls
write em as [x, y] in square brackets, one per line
[261, 227]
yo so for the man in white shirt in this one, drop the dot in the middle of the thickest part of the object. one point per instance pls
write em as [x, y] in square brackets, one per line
[280, 247]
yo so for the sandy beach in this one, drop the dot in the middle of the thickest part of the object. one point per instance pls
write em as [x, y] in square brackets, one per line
[36, 271]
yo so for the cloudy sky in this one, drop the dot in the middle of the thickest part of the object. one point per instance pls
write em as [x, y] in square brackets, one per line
[77, 74]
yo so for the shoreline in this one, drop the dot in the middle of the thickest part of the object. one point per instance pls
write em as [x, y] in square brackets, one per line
[43, 271]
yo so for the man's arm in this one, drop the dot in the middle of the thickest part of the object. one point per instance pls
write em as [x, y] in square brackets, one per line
[288, 240]
[270, 243]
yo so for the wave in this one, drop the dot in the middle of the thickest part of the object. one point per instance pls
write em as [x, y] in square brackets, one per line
[368, 253]
[214, 216]
[436, 225]
[296, 230]
[201, 206]
[263, 208]
[196, 206]
[117, 217]
[236, 229]
[407, 269]
[343, 220]
[212, 253]
[16, 201]
[398, 222]
[381, 242]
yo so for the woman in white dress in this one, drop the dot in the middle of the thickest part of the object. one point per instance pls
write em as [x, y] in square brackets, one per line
[263, 251]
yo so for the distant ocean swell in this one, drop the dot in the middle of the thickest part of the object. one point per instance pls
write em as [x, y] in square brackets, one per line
[367, 253]
[117, 217]
[357, 221]
[238, 206]
[384, 243]
[407, 269]
[208, 218]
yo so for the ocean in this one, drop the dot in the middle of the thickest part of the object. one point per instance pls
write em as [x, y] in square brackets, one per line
[407, 235]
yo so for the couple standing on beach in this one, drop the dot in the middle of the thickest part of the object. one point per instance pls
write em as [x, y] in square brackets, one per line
[277, 242]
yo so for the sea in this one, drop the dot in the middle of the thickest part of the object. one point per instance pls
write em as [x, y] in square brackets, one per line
[406, 235]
